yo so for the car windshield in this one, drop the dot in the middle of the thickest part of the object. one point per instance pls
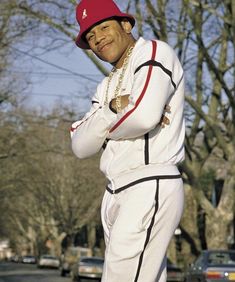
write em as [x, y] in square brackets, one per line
[92, 261]
[221, 258]
[49, 257]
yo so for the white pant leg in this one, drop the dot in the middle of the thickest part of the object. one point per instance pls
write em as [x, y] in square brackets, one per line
[138, 230]
[171, 201]
[162, 274]
[109, 211]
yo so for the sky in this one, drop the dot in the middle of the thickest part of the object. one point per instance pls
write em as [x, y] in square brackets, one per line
[59, 76]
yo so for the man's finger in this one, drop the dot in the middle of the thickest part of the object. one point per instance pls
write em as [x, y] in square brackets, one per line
[167, 109]
[165, 120]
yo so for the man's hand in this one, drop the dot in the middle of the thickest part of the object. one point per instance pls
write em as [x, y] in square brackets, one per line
[164, 120]
[124, 102]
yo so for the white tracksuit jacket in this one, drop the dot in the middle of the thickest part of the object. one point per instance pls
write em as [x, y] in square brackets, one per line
[137, 146]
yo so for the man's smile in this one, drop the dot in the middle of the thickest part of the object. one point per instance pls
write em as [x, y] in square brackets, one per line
[103, 47]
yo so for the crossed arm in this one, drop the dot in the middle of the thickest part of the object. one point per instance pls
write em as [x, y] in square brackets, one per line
[141, 111]
[125, 101]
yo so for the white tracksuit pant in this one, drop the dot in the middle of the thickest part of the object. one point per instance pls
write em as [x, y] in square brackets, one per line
[139, 223]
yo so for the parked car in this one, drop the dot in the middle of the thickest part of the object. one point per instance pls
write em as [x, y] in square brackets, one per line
[72, 256]
[212, 266]
[174, 273]
[16, 258]
[29, 259]
[87, 267]
[48, 261]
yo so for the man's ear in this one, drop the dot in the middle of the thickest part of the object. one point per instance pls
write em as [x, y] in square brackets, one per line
[126, 25]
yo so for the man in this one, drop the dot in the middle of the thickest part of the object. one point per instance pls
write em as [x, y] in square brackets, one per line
[143, 201]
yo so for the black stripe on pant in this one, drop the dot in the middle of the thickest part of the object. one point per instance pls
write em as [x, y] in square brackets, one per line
[148, 232]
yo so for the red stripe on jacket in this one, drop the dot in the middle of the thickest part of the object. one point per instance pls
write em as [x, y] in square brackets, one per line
[154, 45]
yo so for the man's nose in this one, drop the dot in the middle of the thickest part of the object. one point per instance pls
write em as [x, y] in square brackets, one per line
[99, 37]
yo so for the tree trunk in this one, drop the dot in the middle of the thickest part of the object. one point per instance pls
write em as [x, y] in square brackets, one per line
[91, 230]
[218, 224]
[217, 228]
[190, 237]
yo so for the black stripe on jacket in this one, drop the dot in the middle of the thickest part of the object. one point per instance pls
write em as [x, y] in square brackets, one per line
[146, 148]
[140, 180]
[157, 64]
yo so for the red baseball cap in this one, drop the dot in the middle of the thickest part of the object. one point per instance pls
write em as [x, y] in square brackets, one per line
[91, 12]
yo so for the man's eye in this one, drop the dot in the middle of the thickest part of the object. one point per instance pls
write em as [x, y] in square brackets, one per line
[105, 26]
[89, 37]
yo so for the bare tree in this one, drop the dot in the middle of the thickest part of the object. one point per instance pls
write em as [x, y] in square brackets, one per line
[47, 192]
[13, 29]
[202, 33]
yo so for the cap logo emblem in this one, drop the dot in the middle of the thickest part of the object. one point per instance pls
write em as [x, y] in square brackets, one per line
[84, 14]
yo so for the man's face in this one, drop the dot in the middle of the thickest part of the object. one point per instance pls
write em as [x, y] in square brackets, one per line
[110, 40]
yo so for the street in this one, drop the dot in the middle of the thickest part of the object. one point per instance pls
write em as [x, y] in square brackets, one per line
[17, 272]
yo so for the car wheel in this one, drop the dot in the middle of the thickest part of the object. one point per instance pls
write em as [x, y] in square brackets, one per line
[63, 273]
[73, 277]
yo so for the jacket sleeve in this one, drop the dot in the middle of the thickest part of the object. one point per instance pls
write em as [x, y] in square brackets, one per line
[88, 134]
[155, 79]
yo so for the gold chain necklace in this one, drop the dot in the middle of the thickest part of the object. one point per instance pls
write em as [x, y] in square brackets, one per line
[120, 80]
